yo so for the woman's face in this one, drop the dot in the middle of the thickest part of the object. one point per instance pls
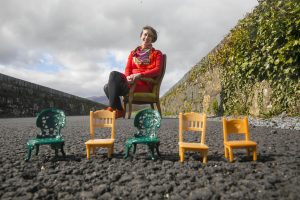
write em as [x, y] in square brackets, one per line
[146, 38]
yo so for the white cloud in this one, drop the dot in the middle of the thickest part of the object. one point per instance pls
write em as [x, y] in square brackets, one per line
[72, 45]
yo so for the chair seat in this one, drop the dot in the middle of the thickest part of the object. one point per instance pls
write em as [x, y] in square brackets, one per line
[42, 141]
[99, 141]
[189, 145]
[240, 143]
[142, 140]
[144, 97]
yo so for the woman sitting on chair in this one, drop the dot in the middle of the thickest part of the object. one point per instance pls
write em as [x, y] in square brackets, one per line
[143, 61]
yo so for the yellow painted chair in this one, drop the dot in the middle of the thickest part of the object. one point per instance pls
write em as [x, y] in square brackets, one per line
[101, 119]
[191, 122]
[237, 126]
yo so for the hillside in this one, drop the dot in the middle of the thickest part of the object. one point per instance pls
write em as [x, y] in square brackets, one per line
[254, 70]
[100, 99]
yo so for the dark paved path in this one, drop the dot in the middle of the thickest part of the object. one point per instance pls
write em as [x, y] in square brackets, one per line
[275, 175]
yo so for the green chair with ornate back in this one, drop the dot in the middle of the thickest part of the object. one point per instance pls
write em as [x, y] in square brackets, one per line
[50, 121]
[147, 122]
[146, 97]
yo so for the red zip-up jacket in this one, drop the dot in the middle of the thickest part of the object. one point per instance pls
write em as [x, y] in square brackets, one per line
[151, 70]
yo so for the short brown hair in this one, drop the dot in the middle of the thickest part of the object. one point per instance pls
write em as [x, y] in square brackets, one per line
[152, 30]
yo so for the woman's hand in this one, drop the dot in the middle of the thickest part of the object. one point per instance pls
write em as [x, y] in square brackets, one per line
[136, 76]
[131, 78]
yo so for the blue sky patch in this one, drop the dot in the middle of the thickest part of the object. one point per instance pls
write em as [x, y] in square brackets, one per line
[113, 62]
[46, 64]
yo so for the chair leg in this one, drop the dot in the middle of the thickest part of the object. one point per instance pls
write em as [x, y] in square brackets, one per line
[37, 149]
[204, 156]
[230, 155]
[124, 106]
[129, 109]
[134, 148]
[29, 148]
[151, 149]
[181, 154]
[254, 154]
[158, 107]
[87, 147]
[157, 148]
[56, 152]
[62, 149]
[152, 106]
[226, 152]
[127, 148]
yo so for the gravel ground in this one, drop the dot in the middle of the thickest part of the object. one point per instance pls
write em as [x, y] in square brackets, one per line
[280, 122]
[275, 175]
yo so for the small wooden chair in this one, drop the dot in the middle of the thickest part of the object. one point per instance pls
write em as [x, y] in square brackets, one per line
[192, 122]
[237, 126]
[50, 121]
[101, 119]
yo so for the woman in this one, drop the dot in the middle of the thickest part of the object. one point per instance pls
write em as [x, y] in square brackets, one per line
[143, 61]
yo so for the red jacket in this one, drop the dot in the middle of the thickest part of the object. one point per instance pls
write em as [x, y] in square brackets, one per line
[150, 70]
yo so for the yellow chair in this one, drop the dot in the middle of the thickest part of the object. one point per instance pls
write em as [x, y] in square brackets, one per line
[101, 119]
[192, 122]
[146, 97]
[237, 126]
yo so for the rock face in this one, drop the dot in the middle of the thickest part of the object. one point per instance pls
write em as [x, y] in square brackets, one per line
[261, 99]
[195, 92]
[20, 98]
[202, 92]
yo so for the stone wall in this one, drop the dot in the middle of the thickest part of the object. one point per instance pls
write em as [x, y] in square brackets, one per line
[202, 92]
[195, 92]
[20, 98]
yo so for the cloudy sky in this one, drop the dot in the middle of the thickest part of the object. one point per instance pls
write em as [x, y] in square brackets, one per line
[72, 45]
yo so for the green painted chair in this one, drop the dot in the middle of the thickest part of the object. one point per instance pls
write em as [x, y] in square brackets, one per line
[50, 121]
[147, 122]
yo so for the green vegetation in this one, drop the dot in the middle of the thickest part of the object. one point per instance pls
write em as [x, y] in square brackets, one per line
[214, 107]
[263, 47]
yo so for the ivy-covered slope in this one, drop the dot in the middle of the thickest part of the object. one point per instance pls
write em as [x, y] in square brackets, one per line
[255, 69]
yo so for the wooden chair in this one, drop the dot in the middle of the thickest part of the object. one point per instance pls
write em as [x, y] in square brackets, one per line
[146, 97]
[50, 121]
[101, 119]
[237, 126]
[192, 122]
[147, 122]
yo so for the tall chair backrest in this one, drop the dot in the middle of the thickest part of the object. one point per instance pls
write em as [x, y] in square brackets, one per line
[192, 122]
[160, 77]
[102, 119]
[235, 126]
[50, 121]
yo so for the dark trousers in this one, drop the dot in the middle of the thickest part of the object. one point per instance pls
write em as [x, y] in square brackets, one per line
[117, 86]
